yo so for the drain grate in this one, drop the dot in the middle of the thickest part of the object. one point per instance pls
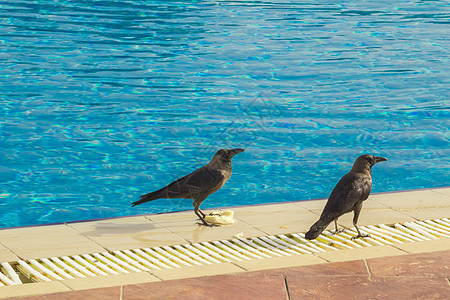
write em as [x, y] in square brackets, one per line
[214, 252]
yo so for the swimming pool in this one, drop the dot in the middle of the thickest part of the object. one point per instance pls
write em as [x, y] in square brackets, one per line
[102, 103]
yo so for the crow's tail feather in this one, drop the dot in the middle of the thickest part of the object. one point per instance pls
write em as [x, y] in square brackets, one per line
[149, 197]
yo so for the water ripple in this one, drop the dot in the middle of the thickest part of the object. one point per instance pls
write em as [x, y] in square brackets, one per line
[102, 101]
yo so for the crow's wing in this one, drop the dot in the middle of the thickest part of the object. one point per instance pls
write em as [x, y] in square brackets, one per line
[202, 181]
[351, 190]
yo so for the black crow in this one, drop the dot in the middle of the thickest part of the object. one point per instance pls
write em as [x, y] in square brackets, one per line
[348, 195]
[199, 184]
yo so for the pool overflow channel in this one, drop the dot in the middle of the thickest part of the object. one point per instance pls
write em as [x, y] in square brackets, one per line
[214, 252]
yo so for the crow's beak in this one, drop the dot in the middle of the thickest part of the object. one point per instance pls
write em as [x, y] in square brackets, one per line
[379, 159]
[233, 152]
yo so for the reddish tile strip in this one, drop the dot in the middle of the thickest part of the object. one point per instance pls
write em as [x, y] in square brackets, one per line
[350, 268]
[434, 264]
[359, 287]
[110, 293]
[222, 287]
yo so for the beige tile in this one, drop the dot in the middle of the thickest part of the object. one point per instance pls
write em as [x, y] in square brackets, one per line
[127, 233]
[267, 208]
[373, 217]
[140, 241]
[275, 219]
[185, 225]
[315, 205]
[413, 199]
[427, 213]
[115, 227]
[360, 253]
[182, 215]
[279, 262]
[45, 241]
[197, 233]
[368, 205]
[185, 218]
[425, 246]
[276, 214]
[141, 219]
[30, 289]
[303, 224]
[7, 255]
[38, 242]
[32, 231]
[197, 271]
[443, 191]
[108, 281]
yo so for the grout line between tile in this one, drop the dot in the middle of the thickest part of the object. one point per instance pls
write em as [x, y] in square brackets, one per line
[168, 229]
[286, 287]
[95, 242]
[12, 251]
[398, 248]
[251, 225]
[367, 267]
[437, 192]
[121, 293]
[322, 258]
[405, 213]
[71, 289]
[401, 211]
[149, 272]
[401, 249]
[240, 267]
[313, 211]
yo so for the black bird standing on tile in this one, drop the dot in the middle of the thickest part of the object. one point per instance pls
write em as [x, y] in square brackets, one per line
[199, 184]
[348, 195]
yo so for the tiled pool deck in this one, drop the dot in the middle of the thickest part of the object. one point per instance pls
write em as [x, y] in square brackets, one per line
[400, 271]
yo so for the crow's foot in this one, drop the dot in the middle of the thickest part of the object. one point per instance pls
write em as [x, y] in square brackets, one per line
[212, 214]
[209, 225]
[339, 231]
[360, 236]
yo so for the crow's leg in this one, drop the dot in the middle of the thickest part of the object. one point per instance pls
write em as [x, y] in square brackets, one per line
[355, 221]
[200, 214]
[336, 231]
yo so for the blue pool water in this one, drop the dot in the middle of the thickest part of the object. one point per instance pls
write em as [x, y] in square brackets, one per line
[102, 101]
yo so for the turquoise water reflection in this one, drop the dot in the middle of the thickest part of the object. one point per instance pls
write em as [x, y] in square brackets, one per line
[103, 101]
